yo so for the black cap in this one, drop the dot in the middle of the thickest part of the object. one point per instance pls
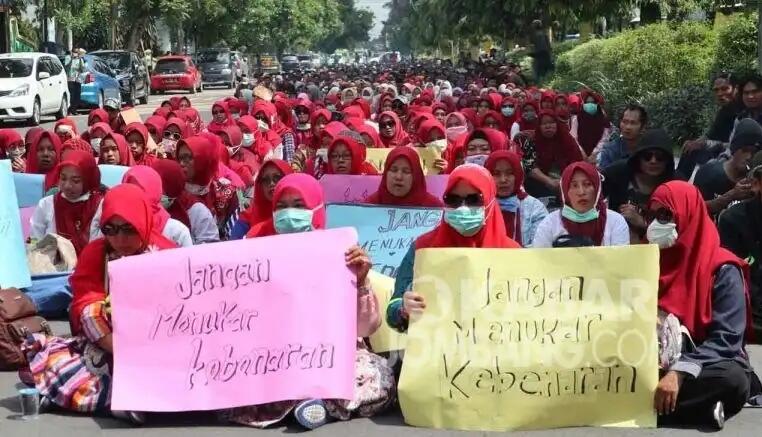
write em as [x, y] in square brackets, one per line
[748, 133]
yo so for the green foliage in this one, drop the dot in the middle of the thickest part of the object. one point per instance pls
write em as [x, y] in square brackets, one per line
[683, 112]
[737, 46]
[355, 25]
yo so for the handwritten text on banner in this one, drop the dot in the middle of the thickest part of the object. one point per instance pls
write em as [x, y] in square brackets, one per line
[238, 323]
[533, 338]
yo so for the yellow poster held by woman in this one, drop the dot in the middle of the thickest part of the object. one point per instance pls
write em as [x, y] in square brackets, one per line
[428, 155]
[533, 338]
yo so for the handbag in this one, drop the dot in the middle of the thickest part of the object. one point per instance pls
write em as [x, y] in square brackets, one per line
[18, 320]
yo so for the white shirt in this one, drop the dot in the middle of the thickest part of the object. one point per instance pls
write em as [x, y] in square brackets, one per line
[203, 225]
[43, 220]
[177, 232]
[617, 233]
[515, 129]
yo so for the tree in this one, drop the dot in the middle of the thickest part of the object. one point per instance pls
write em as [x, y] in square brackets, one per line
[356, 23]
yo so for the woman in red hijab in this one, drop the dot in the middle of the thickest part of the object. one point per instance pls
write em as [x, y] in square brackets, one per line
[150, 182]
[706, 288]
[370, 136]
[584, 219]
[303, 130]
[521, 212]
[183, 207]
[162, 112]
[199, 158]
[225, 172]
[95, 134]
[239, 159]
[115, 151]
[311, 194]
[221, 116]
[254, 141]
[471, 219]
[403, 182]
[319, 120]
[155, 126]
[97, 115]
[194, 120]
[137, 136]
[12, 147]
[391, 130]
[175, 129]
[528, 120]
[74, 373]
[278, 135]
[66, 129]
[556, 149]
[347, 156]
[73, 211]
[43, 156]
[261, 208]
[591, 127]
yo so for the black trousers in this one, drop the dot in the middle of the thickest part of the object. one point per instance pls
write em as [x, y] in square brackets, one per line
[725, 381]
[75, 89]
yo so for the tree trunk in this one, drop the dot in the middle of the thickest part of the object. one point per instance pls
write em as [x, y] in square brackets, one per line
[136, 33]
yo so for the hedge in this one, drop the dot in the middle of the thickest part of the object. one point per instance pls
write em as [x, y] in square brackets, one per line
[737, 46]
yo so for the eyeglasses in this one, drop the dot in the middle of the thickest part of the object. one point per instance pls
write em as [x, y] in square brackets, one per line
[653, 154]
[172, 135]
[113, 230]
[386, 124]
[455, 201]
[661, 215]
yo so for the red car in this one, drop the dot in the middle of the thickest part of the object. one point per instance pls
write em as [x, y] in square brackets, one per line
[176, 73]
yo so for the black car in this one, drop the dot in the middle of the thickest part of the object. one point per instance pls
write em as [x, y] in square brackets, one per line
[289, 63]
[219, 67]
[134, 80]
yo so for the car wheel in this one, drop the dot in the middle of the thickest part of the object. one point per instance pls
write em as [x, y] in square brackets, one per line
[193, 89]
[132, 97]
[201, 87]
[63, 110]
[35, 119]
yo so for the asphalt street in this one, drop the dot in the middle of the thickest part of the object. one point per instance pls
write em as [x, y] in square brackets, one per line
[202, 102]
[202, 424]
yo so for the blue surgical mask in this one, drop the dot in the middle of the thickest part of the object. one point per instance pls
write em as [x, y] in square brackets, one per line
[167, 201]
[466, 220]
[590, 108]
[529, 116]
[248, 140]
[579, 217]
[508, 111]
[292, 220]
[509, 204]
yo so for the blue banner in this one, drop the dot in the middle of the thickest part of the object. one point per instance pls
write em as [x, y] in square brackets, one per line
[29, 188]
[14, 271]
[111, 175]
[386, 233]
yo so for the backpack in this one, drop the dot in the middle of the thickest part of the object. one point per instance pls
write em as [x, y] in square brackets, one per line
[18, 320]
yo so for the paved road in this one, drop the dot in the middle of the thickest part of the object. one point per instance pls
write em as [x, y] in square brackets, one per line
[59, 424]
[202, 102]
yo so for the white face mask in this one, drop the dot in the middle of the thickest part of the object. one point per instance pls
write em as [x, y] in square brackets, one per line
[248, 140]
[169, 145]
[263, 127]
[477, 159]
[233, 150]
[95, 143]
[663, 235]
[439, 144]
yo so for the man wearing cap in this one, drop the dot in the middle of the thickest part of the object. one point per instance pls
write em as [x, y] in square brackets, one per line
[740, 229]
[112, 106]
[723, 182]
[76, 70]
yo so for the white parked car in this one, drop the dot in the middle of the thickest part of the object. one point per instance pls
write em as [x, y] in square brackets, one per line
[32, 85]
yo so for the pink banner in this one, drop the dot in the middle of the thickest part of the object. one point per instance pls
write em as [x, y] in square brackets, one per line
[237, 323]
[355, 189]
[26, 217]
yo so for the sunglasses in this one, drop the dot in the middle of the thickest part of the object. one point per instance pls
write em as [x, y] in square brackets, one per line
[653, 154]
[471, 200]
[113, 230]
[172, 135]
[661, 215]
[386, 124]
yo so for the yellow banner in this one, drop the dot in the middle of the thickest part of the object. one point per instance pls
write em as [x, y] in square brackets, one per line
[385, 338]
[428, 155]
[533, 338]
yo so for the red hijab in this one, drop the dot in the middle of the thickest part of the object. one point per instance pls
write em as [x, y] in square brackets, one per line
[157, 123]
[529, 125]
[372, 133]
[205, 159]
[511, 220]
[593, 229]
[162, 112]
[73, 218]
[590, 127]
[491, 235]
[32, 164]
[98, 115]
[145, 158]
[215, 126]
[425, 129]
[193, 119]
[418, 194]
[76, 143]
[9, 138]
[261, 209]
[560, 150]
[357, 150]
[688, 268]
[125, 154]
[88, 280]
[311, 192]
[185, 130]
[508, 121]
[173, 185]
[316, 136]
[284, 121]
[400, 137]
[105, 127]
[149, 181]
[261, 146]
[270, 112]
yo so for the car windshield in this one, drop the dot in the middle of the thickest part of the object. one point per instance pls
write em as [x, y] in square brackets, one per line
[171, 66]
[304, 57]
[213, 56]
[290, 59]
[115, 60]
[10, 68]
